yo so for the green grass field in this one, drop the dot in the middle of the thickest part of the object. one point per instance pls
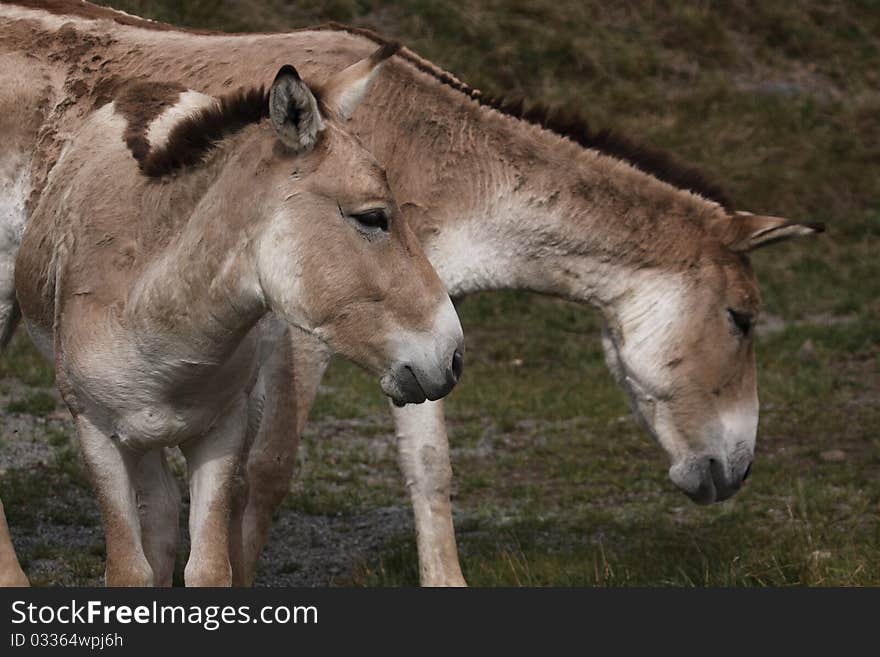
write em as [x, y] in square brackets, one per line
[555, 484]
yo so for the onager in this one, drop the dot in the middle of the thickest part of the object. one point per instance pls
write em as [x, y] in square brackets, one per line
[157, 248]
[499, 198]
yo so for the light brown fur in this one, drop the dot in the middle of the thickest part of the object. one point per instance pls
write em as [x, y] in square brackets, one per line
[171, 274]
[538, 211]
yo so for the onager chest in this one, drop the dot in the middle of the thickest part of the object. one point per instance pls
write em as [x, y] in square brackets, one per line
[148, 399]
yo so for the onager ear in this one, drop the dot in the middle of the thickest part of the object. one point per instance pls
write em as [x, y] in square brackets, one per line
[344, 91]
[745, 231]
[293, 111]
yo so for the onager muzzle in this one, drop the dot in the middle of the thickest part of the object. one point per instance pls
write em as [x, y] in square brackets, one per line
[429, 365]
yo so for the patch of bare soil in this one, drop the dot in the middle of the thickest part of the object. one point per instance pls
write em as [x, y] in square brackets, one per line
[306, 550]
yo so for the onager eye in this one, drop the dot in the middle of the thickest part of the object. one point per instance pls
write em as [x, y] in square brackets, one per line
[742, 321]
[372, 219]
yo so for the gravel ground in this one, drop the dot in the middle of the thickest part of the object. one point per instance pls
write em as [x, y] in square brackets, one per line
[306, 550]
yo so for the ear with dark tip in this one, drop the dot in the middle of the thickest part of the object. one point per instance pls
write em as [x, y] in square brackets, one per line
[745, 231]
[293, 111]
[344, 91]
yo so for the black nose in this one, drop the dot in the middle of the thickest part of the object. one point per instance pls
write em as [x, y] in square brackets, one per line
[457, 364]
[723, 488]
[748, 470]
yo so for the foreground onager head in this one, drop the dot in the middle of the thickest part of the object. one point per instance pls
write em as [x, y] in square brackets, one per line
[682, 346]
[338, 258]
[278, 203]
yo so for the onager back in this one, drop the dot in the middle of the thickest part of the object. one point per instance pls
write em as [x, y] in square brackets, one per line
[172, 224]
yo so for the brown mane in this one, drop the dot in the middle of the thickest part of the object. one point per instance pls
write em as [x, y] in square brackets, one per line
[191, 139]
[658, 163]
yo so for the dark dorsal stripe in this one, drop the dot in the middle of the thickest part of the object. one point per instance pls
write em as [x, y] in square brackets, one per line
[660, 164]
[189, 141]
[192, 138]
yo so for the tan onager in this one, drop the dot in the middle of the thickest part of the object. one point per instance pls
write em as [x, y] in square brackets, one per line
[160, 244]
[499, 199]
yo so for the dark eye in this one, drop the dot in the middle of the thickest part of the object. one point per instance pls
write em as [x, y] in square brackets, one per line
[372, 219]
[742, 321]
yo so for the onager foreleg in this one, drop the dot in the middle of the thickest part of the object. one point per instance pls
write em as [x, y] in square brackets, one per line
[111, 467]
[214, 461]
[158, 500]
[291, 374]
[11, 573]
[423, 455]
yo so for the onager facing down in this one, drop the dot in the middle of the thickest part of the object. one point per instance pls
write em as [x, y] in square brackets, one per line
[172, 225]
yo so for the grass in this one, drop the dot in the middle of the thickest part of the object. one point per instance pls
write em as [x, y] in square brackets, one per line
[554, 483]
[38, 403]
[22, 361]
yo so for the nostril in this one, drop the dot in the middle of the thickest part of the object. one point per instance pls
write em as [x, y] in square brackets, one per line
[748, 470]
[457, 364]
[716, 471]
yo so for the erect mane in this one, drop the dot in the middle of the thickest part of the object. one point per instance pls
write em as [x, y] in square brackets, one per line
[193, 137]
[658, 163]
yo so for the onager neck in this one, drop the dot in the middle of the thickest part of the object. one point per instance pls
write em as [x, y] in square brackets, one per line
[536, 211]
[199, 300]
[499, 202]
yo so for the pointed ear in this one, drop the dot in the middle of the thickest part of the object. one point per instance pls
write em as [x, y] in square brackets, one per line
[744, 231]
[344, 91]
[293, 111]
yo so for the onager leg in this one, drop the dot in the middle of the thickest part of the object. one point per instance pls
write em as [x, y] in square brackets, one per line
[292, 374]
[158, 500]
[11, 216]
[213, 461]
[423, 454]
[111, 467]
[11, 573]
[423, 450]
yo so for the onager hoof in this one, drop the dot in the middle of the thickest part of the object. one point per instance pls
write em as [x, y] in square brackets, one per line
[216, 572]
[130, 575]
[456, 581]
